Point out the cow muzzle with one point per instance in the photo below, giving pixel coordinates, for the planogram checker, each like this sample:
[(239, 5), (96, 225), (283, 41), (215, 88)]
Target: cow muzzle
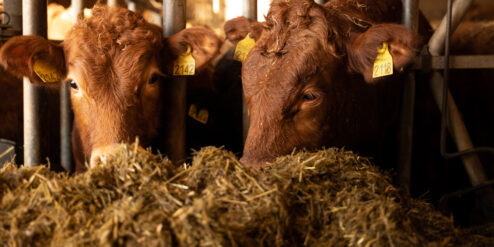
[(102, 154)]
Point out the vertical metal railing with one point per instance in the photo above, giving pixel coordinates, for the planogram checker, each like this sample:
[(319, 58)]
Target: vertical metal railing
[(411, 21), (456, 126), (174, 22), (249, 8), (33, 23), (65, 109)]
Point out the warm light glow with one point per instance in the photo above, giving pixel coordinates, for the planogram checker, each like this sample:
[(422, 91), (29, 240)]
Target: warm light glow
[(87, 13), (233, 9), (216, 6), (262, 9)]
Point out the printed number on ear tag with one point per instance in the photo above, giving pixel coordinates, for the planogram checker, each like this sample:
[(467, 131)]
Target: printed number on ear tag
[(185, 64), (243, 48), (201, 116), (46, 71), (383, 65)]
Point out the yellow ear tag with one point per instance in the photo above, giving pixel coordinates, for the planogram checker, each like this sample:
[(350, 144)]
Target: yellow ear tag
[(201, 116), (46, 71), (383, 65), (185, 64), (243, 48)]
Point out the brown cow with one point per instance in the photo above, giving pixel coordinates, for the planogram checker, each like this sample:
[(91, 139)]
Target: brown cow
[(114, 62), (308, 80)]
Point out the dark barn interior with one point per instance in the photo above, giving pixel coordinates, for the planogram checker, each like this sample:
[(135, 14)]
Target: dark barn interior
[(247, 123)]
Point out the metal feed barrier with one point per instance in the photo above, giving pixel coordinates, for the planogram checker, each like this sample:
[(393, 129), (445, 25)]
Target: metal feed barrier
[(437, 44), (451, 117)]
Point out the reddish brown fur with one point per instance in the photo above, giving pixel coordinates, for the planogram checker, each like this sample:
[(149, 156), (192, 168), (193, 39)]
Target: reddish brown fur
[(236, 29), (112, 57), (308, 50), (474, 38)]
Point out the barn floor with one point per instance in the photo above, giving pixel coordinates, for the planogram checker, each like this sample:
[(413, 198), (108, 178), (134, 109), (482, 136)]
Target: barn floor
[(328, 198)]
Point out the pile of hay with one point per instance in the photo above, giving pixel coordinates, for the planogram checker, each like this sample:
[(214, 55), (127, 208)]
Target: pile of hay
[(328, 198)]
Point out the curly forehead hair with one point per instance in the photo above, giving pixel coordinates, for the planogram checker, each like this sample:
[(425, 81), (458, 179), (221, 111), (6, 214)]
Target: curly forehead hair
[(110, 31), (331, 23)]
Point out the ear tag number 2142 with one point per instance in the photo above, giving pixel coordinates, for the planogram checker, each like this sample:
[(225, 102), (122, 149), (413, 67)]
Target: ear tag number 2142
[(185, 64), (46, 71), (383, 65)]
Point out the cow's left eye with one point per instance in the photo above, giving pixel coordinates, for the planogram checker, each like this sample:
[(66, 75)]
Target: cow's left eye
[(154, 79)]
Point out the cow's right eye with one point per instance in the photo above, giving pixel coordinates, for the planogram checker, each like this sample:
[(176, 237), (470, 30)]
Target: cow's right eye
[(154, 79), (310, 96), (73, 84)]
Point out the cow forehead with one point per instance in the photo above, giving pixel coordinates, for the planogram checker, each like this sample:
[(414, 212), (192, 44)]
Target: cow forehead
[(112, 40), (303, 56)]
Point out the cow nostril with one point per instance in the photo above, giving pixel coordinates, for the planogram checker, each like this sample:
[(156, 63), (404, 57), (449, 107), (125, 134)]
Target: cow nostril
[(97, 159), (103, 154)]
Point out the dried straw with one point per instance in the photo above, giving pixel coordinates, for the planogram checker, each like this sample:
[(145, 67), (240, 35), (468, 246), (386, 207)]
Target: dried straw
[(327, 198)]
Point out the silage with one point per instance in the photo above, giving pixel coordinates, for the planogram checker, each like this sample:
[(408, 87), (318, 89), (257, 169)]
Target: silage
[(327, 198)]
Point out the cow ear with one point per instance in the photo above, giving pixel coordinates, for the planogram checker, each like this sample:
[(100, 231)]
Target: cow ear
[(40, 60), (236, 29), (203, 42), (362, 51)]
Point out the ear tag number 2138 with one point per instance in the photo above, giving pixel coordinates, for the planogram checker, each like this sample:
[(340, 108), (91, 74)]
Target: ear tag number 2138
[(185, 64), (383, 65)]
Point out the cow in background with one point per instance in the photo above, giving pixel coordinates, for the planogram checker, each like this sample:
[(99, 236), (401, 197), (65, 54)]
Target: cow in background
[(114, 62)]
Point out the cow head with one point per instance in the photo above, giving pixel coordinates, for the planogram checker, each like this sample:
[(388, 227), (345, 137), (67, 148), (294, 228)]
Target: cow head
[(308, 80), (114, 62)]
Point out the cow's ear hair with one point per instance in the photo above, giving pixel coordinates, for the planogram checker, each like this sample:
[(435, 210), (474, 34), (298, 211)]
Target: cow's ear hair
[(203, 42), (363, 49), (19, 55), (236, 29)]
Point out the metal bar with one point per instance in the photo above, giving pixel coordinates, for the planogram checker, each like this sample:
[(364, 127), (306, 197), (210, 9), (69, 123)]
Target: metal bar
[(410, 17), (321, 1), (65, 128), (65, 109), (459, 132), (77, 7), (173, 22), (411, 21), (33, 23), (455, 122), (436, 43), (458, 62), (14, 9), (249, 11)]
